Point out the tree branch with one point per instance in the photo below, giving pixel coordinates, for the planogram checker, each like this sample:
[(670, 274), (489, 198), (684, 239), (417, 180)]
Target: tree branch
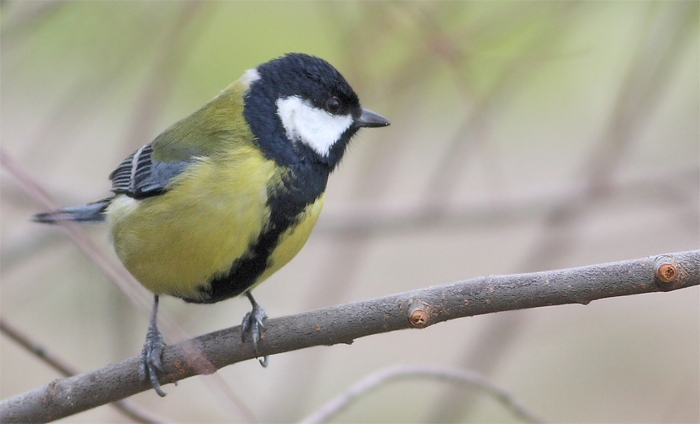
[(344, 323), (373, 381)]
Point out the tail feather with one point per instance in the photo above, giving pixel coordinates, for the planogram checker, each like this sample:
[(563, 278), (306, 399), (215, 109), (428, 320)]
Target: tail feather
[(92, 212)]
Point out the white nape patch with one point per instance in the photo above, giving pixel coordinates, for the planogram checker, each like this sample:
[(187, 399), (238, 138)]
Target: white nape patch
[(312, 126), (250, 76)]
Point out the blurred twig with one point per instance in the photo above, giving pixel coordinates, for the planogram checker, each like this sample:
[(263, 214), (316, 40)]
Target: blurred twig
[(124, 281), (26, 21), (375, 380), (469, 134), (36, 349), (170, 57), (345, 323), (136, 413), (378, 220)]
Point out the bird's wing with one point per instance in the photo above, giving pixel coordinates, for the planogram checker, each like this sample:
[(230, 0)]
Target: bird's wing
[(140, 175), (149, 171)]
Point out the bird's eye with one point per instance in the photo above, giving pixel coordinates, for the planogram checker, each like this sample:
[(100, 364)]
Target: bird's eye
[(333, 105)]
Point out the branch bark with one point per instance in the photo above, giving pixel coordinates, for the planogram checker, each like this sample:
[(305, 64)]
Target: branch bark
[(344, 323)]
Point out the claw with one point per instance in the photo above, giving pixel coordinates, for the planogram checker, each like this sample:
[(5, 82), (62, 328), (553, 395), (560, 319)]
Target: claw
[(152, 352), (253, 324)]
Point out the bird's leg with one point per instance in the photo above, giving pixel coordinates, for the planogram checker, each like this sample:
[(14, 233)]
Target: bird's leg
[(253, 324), (152, 351)]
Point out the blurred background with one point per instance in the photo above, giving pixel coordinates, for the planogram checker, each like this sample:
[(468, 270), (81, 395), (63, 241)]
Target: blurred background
[(525, 136)]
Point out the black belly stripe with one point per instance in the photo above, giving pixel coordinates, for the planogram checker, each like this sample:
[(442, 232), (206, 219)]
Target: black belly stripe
[(245, 270), (286, 204)]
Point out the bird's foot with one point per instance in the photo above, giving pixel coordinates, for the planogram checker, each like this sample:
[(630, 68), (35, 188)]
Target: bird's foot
[(151, 358), (253, 325)]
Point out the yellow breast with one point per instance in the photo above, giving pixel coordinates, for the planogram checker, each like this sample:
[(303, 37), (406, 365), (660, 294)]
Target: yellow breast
[(177, 242)]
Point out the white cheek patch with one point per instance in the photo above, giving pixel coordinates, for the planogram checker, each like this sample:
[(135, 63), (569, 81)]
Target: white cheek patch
[(312, 126)]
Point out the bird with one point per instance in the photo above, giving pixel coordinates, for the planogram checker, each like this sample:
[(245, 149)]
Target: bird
[(225, 197)]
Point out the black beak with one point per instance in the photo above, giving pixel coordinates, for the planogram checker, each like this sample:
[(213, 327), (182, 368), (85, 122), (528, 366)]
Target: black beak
[(369, 119)]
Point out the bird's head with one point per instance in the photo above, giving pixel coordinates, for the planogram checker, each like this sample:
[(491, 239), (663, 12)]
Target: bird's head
[(301, 109)]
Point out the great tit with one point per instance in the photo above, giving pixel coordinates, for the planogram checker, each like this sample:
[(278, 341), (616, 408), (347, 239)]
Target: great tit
[(224, 198)]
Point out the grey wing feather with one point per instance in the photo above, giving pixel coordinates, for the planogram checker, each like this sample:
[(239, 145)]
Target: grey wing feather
[(140, 176)]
